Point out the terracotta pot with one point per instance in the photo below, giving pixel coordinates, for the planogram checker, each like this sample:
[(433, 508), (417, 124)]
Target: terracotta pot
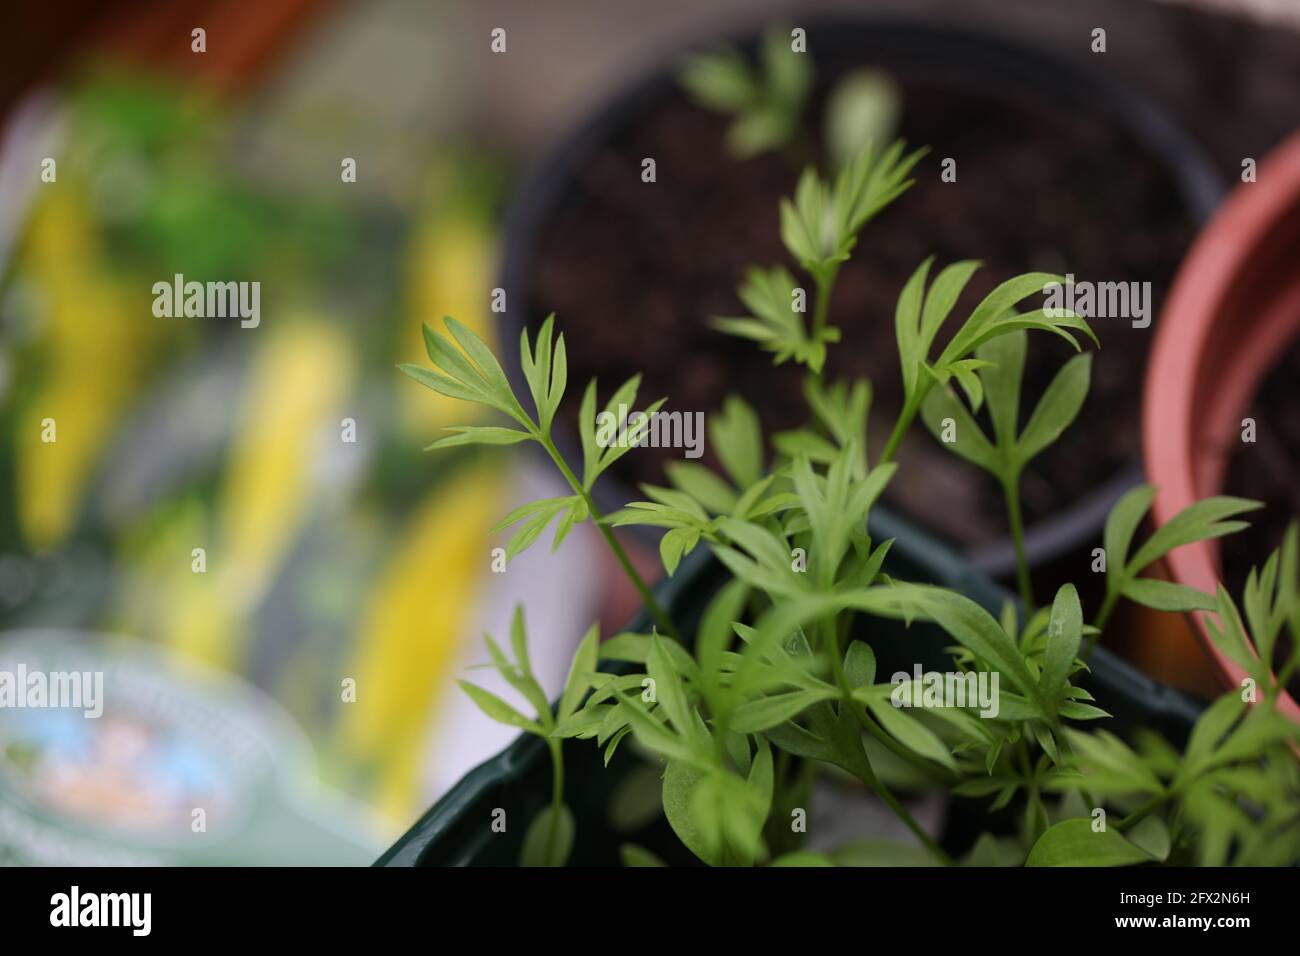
[(1233, 310)]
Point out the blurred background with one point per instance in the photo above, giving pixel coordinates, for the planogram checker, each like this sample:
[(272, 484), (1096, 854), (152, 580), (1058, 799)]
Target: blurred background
[(333, 550)]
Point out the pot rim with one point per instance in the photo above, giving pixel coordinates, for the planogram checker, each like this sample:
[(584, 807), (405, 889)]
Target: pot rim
[(1198, 304)]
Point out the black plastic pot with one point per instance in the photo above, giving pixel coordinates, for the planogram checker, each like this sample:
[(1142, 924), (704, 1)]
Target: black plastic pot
[(991, 63), (457, 831)]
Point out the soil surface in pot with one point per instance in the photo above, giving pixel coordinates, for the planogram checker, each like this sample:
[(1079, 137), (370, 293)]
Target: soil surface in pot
[(634, 270)]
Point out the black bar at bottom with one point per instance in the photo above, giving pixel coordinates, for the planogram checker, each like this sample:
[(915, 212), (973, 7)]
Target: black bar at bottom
[(334, 906)]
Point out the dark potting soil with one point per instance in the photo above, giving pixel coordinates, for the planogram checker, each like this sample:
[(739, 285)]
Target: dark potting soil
[(634, 271), (1265, 470)]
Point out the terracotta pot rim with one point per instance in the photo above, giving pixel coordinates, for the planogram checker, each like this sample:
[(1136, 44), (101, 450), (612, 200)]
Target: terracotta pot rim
[(1197, 305)]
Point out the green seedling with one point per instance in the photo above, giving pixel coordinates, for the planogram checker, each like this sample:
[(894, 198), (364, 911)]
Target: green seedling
[(778, 684)]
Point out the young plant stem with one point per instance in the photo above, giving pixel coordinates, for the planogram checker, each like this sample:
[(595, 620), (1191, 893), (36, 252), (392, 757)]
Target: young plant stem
[(871, 780), (1031, 783), (901, 425), (1011, 491), (1284, 675), (868, 774), (825, 287), (1107, 606), (1141, 813), (657, 612)]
